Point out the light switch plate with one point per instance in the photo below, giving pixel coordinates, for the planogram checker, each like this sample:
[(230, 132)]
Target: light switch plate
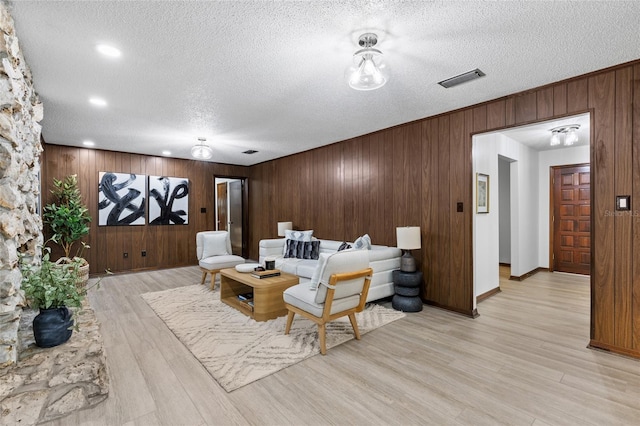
[(623, 202)]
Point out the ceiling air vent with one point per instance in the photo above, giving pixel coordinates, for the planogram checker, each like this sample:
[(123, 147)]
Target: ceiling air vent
[(462, 78), (249, 151)]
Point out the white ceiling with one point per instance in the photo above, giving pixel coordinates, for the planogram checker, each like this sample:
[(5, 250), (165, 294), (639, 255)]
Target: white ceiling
[(269, 75)]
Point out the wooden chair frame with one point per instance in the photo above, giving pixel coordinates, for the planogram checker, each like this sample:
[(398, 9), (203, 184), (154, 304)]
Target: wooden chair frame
[(213, 273), (334, 280)]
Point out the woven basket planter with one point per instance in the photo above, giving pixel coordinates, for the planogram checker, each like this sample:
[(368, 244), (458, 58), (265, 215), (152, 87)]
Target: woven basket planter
[(82, 274)]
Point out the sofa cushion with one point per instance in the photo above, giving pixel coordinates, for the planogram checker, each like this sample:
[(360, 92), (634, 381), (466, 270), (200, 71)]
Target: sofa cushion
[(363, 243), (344, 246), (214, 245), (302, 249)]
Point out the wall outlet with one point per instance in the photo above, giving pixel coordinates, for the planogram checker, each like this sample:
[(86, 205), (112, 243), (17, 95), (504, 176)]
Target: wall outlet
[(144, 253), (125, 255)]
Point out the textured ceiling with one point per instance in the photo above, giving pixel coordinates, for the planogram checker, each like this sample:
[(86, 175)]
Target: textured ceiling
[(270, 76)]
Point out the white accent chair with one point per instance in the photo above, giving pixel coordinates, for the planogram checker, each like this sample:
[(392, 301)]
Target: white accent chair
[(213, 249), (339, 288)]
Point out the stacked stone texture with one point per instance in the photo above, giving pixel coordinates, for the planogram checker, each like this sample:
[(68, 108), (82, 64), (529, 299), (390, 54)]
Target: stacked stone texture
[(20, 148), (47, 384)]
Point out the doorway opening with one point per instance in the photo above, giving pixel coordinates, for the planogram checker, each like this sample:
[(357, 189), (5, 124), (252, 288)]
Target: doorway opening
[(231, 212), (515, 230)]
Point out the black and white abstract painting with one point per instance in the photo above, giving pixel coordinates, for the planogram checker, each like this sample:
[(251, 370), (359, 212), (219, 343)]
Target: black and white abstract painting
[(121, 199), (168, 200)]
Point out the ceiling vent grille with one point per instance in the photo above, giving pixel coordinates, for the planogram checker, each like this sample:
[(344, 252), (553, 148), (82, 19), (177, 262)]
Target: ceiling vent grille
[(249, 151), (462, 78)]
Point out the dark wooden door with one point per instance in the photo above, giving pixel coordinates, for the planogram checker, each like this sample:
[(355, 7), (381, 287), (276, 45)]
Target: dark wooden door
[(222, 206), (572, 219)]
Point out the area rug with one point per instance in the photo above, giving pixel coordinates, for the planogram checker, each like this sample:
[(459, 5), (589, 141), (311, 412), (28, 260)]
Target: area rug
[(237, 350)]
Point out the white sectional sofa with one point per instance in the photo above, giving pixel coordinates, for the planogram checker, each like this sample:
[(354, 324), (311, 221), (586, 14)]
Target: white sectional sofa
[(382, 259)]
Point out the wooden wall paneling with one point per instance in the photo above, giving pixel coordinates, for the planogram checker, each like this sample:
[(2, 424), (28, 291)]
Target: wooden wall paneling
[(443, 278), (387, 160), (544, 98), (365, 185), (352, 151), (478, 119), (496, 117), (635, 205), (321, 200), (510, 111), (429, 224), (623, 224), (113, 252), (335, 229), (470, 126), (601, 95), (457, 179), (560, 99), (181, 247), (372, 188), (124, 233), (577, 95), (526, 105)]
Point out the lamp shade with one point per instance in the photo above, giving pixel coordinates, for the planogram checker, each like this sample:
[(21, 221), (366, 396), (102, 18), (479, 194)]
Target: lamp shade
[(408, 237), (284, 226)]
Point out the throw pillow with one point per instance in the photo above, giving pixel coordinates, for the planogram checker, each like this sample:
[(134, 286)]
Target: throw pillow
[(315, 279), (214, 245), (344, 246), (290, 234), (291, 248), (311, 249), (363, 243)]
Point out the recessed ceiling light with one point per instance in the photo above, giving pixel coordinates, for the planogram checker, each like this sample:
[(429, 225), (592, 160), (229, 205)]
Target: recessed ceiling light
[(88, 143), (107, 50), (98, 102), (166, 152)]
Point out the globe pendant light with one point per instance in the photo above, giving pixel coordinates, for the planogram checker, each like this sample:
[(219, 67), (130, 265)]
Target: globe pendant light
[(202, 151), (368, 71)]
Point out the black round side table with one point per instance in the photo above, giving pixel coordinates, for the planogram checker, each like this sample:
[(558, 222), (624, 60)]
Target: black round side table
[(407, 288)]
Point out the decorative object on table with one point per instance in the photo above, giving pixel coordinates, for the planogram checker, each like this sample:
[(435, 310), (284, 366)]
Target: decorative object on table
[(168, 200), (482, 193), (407, 289), (283, 227), (226, 341), (269, 273), (269, 263), (68, 219), (121, 199), (53, 289), (246, 268), (408, 238)]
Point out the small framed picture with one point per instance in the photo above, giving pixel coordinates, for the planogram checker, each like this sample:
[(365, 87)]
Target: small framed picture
[(482, 193)]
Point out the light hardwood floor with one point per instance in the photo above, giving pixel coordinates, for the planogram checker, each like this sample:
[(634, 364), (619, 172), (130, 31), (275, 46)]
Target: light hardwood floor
[(524, 361)]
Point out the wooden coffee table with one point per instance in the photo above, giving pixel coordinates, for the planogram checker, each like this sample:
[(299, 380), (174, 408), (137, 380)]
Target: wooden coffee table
[(267, 293)]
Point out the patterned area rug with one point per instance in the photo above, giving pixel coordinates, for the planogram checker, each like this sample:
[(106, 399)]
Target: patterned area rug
[(237, 350)]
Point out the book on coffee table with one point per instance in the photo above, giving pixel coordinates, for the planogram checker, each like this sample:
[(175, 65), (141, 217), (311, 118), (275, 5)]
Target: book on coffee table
[(266, 274)]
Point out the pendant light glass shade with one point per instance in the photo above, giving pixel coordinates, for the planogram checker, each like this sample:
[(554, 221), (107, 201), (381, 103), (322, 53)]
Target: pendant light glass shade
[(555, 138), (201, 151), (368, 71), (571, 137), (568, 133)]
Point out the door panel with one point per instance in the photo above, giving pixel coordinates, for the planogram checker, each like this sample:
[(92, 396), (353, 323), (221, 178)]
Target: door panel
[(572, 219), (235, 216), (222, 206)]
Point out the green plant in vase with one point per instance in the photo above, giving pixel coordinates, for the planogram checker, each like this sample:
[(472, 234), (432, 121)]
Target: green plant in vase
[(69, 219)]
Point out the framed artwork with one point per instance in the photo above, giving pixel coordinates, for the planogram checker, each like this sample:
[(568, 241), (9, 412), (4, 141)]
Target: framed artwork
[(482, 193), (168, 200), (121, 199)]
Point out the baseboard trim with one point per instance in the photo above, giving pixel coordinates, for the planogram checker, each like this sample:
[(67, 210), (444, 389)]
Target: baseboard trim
[(488, 294), (473, 313), (593, 344), (528, 274)]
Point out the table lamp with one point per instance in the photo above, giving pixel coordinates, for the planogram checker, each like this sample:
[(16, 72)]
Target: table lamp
[(408, 239), (284, 226)]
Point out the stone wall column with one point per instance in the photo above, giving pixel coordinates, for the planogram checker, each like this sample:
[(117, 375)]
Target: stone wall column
[(20, 149)]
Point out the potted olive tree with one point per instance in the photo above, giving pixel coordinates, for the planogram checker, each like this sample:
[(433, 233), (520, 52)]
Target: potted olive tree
[(68, 218)]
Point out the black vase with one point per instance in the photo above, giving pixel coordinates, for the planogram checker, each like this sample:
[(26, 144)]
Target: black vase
[(52, 327)]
